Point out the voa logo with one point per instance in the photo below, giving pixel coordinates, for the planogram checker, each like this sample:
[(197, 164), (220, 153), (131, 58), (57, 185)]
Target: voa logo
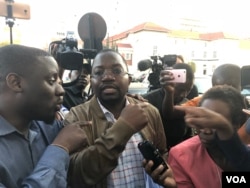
[(236, 179)]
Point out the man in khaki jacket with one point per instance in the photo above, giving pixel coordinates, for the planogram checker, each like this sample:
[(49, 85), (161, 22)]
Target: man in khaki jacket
[(118, 124)]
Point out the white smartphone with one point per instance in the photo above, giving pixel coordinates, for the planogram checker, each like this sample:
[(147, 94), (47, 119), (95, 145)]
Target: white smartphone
[(179, 75)]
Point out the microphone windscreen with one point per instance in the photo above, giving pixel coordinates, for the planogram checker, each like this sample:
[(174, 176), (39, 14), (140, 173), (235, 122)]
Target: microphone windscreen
[(144, 64)]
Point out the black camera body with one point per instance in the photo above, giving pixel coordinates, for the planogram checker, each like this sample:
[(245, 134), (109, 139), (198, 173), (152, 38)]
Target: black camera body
[(149, 152), (67, 54), (92, 29), (158, 64)]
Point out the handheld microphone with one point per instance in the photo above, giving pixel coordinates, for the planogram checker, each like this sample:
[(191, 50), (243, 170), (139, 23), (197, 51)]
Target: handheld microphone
[(144, 64)]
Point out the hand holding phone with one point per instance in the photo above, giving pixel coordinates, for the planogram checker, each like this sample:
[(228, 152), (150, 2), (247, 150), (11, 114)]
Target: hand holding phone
[(149, 152), (179, 75)]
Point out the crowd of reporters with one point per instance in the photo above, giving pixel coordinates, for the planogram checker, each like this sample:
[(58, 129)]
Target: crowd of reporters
[(97, 133)]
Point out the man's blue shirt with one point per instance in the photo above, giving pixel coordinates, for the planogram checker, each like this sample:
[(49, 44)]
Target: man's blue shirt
[(32, 162)]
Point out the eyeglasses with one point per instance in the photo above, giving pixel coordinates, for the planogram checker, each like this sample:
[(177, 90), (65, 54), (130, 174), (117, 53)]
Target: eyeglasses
[(116, 72)]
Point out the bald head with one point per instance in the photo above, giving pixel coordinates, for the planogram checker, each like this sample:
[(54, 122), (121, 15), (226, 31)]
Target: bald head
[(227, 74)]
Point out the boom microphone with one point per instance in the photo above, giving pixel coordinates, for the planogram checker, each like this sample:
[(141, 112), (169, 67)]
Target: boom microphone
[(144, 64)]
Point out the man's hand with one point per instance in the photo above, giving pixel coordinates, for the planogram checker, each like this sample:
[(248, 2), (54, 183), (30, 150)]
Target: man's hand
[(72, 137), (135, 115), (165, 77), (163, 178), (200, 118)]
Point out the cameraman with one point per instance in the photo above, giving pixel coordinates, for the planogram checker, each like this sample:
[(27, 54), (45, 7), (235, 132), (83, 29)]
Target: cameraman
[(75, 91), (168, 95), (157, 67)]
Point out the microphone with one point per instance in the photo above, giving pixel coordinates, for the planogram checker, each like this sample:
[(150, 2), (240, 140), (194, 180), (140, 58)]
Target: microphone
[(144, 64)]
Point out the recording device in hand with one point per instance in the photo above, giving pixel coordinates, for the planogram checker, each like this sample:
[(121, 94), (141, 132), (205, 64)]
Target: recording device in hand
[(92, 30), (178, 74), (156, 66), (150, 152)]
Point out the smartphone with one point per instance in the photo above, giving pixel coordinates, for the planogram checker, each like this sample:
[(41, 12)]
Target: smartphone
[(180, 75), (150, 152)]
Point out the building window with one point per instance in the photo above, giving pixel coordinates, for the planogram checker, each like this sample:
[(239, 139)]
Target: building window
[(154, 50), (127, 56), (204, 54), (193, 54), (214, 54)]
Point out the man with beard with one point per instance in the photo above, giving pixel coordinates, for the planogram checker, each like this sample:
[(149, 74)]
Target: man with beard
[(34, 146), (119, 123)]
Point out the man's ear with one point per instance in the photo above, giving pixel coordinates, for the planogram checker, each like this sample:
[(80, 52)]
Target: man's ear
[(13, 81)]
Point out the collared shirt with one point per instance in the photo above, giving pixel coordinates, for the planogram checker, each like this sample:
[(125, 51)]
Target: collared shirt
[(193, 166), (129, 171), (31, 162)]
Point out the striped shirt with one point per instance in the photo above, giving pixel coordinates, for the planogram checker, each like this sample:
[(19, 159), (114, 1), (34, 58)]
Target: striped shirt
[(129, 172)]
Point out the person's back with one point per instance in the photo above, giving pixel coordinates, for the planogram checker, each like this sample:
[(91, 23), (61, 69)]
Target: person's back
[(202, 150), (33, 151), (227, 74)]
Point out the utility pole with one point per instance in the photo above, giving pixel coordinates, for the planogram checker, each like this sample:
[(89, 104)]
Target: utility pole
[(9, 18)]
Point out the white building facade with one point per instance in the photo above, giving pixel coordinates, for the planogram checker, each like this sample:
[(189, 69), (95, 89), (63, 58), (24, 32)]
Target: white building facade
[(206, 51)]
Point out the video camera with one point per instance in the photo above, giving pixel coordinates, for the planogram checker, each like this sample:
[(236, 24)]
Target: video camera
[(67, 54), (92, 30), (156, 66)]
